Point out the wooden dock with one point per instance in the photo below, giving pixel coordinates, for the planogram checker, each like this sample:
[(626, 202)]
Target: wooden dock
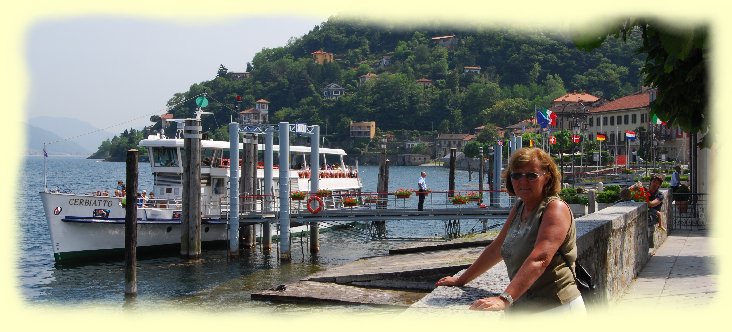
[(399, 279)]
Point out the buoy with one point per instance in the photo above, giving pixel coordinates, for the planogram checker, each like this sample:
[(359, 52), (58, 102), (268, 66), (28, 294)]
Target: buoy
[(319, 202)]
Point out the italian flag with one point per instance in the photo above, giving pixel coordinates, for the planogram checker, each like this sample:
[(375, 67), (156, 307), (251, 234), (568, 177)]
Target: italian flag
[(656, 120), (551, 116)]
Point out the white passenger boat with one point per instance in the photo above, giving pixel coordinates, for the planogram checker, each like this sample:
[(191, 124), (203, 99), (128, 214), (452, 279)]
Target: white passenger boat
[(87, 226)]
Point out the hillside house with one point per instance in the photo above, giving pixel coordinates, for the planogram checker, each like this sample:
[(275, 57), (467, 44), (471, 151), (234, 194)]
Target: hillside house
[(445, 142), (333, 91), (259, 114), (445, 41), (366, 129), (322, 57)]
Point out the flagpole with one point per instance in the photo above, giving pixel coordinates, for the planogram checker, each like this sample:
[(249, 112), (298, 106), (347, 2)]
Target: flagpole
[(615, 152)]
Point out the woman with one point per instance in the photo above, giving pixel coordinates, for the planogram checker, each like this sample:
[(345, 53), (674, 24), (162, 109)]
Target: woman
[(538, 225)]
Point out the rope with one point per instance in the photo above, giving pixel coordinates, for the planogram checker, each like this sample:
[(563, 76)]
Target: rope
[(70, 138)]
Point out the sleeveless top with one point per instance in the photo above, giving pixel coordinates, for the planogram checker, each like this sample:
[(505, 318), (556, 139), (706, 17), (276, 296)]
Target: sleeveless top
[(556, 286)]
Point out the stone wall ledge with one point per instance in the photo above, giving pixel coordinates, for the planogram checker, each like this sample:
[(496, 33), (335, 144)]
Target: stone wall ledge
[(613, 245)]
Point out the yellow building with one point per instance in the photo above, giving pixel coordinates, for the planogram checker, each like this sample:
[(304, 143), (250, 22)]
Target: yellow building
[(322, 57), (365, 129)]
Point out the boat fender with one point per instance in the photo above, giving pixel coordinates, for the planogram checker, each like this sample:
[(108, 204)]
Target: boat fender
[(319, 204)]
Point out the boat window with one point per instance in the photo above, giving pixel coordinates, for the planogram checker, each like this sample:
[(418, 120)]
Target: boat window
[(165, 157), (219, 186)]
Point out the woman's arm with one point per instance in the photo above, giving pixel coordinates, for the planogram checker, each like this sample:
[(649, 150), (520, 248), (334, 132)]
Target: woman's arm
[(552, 232), (489, 257)]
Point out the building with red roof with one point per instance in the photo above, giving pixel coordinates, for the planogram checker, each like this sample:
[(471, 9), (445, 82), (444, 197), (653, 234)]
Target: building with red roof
[(631, 114)]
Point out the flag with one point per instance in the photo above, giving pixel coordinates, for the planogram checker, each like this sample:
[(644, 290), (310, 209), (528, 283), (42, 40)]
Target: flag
[(542, 119), (552, 116), (630, 135), (552, 140), (531, 143), (575, 138), (656, 120), (44, 152), (546, 118), (600, 137)]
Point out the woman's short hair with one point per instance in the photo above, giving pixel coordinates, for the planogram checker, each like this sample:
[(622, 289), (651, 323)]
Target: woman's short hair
[(524, 156), (658, 177)]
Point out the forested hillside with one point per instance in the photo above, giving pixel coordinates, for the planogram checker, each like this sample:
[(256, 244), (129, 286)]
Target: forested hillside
[(520, 70)]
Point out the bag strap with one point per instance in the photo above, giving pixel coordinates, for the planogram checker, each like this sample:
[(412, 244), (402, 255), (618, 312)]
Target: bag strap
[(559, 251)]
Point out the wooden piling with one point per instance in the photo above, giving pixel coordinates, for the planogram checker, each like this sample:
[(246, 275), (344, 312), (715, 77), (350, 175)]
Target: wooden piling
[(451, 183), (382, 187), (131, 225), (190, 244), (248, 180)]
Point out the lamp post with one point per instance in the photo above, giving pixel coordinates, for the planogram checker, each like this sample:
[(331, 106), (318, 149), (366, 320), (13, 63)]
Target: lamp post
[(578, 125)]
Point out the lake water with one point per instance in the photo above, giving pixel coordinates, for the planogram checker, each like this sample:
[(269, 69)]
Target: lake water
[(212, 283)]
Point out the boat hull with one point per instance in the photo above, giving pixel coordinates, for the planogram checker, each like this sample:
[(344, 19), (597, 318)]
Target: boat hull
[(92, 227)]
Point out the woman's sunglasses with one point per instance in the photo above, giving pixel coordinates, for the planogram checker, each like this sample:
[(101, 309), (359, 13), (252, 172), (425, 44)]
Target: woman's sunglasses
[(531, 176)]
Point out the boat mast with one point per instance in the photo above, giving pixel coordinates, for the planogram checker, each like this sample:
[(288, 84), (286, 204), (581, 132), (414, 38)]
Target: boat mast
[(45, 155)]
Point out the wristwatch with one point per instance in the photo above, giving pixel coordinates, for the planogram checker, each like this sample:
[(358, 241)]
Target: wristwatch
[(507, 297)]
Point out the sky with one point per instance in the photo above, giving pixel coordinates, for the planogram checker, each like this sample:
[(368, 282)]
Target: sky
[(117, 71)]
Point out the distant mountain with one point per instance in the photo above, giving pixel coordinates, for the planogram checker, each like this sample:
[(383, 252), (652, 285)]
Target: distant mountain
[(81, 133), (37, 136)]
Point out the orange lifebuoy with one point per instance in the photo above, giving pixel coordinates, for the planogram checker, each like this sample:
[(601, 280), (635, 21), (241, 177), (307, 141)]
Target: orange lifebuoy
[(310, 205)]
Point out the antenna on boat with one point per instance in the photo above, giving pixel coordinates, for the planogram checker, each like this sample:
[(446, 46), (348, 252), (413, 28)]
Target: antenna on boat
[(45, 156)]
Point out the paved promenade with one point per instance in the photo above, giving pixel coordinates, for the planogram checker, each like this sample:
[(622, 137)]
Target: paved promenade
[(682, 272)]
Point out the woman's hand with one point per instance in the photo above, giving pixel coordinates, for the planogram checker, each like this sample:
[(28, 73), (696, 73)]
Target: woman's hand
[(489, 304), (448, 281)]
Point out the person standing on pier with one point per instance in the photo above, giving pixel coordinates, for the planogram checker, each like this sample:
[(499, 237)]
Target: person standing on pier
[(538, 226), (421, 190)]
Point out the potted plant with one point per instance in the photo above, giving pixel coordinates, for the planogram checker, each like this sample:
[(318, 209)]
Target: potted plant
[(323, 193), (350, 201), (459, 199), (606, 198), (371, 199), (639, 194), (403, 193), (474, 196), (577, 202), (298, 195), (681, 197)]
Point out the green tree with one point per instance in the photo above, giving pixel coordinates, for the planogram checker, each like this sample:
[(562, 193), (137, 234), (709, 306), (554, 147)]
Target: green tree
[(506, 112), (489, 134), (222, 71), (472, 149)]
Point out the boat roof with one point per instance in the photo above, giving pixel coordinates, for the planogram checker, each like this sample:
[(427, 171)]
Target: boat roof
[(154, 141)]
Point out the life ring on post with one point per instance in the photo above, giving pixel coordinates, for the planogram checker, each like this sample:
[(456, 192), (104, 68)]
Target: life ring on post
[(318, 201)]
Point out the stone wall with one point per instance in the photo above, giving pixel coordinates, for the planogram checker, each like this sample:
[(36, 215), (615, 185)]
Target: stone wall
[(613, 245)]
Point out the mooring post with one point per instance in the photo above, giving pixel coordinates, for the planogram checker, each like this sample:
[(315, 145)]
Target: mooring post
[(284, 181), (248, 179), (314, 184), (497, 165), (234, 189), (382, 187), (481, 169), (131, 225), (451, 180), (268, 190), (190, 246)]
